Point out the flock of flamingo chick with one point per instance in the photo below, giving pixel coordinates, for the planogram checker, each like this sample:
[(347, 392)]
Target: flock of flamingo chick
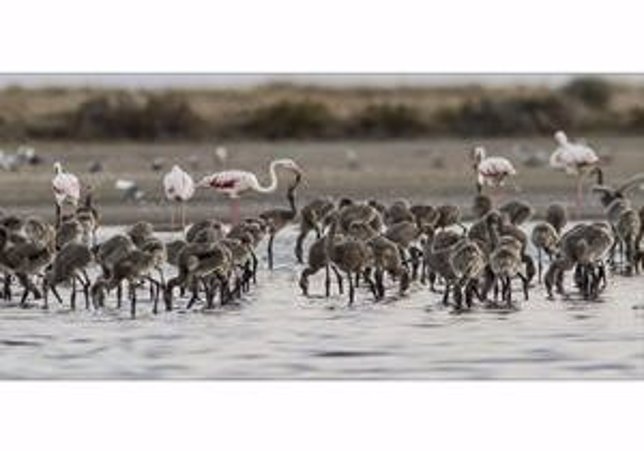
[(360, 242)]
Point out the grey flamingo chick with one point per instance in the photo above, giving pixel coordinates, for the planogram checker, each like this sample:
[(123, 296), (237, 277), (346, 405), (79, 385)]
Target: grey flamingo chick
[(437, 259), (108, 253), (317, 258), (518, 211), (350, 256), (585, 246), (196, 262), (404, 234), (350, 212), (468, 263), (545, 234), (544, 238), (69, 264), (557, 217), (88, 217), (24, 260), (424, 215), (481, 205), (398, 212), (69, 231), (311, 217), (385, 257), (278, 218), (207, 224), (505, 264), (140, 232), (243, 259), (133, 267), (448, 215)]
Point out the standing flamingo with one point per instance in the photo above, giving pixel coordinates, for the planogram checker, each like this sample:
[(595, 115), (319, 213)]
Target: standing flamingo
[(66, 189), (576, 159), (490, 171), (179, 187), (234, 182)]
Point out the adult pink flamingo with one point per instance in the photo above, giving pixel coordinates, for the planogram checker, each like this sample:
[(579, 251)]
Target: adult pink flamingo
[(235, 182), (179, 188), (66, 189), (490, 171), (575, 159)]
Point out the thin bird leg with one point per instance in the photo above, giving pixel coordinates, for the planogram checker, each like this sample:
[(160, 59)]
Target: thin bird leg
[(24, 282), (446, 293), (327, 281), (85, 289), (254, 266), (372, 286), (172, 212), (132, 299), (183, 217), (156, 285), (161, 276), (55, 291), (45, 292), (234, 210), (73, 296), (540, 266), (338, 277), (526, 283), (57, 215), (304, 231), (580, 200), (270, 250), (7, 287), (351, 289)]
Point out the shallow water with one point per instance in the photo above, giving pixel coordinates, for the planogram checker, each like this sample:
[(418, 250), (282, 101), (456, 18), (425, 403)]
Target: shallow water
[(276, 333)]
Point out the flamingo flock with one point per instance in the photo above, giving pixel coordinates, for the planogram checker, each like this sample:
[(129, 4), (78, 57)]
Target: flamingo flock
[(386, 250)]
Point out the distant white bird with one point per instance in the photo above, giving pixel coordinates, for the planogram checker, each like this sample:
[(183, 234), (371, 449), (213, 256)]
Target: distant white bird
[(221, 155), (131, 190), (575, 159), (66, 189), (234, 182), (8, 162), (178, 187), (490, 171), (353, 162)]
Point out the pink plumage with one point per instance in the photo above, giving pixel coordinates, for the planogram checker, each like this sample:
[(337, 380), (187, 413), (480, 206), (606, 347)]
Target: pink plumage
[(178, 185), (66, 186), (572, 157), (492, 171), (235, 182)]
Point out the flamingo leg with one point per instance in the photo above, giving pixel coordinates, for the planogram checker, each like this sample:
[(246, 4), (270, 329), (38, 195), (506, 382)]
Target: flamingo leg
[(580, 197), (183, 217), (172, 217), (234, 210)]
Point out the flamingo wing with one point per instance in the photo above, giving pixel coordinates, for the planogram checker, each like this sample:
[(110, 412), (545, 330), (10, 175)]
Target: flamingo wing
[(66, 188), (230, 182)]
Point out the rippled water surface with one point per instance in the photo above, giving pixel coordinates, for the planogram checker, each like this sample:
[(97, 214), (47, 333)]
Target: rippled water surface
[(274, 332)]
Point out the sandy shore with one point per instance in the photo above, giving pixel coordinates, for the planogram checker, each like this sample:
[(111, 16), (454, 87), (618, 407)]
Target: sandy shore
[(432, 171)]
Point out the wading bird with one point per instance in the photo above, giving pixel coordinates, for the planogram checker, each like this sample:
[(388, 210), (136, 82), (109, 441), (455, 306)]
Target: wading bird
[(178, 187), (235, 182), (575, 159), (66, 189), (490, 171)]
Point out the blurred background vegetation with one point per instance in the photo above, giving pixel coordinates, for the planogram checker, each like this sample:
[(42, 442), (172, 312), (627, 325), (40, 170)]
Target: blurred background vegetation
[(288, 111)]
